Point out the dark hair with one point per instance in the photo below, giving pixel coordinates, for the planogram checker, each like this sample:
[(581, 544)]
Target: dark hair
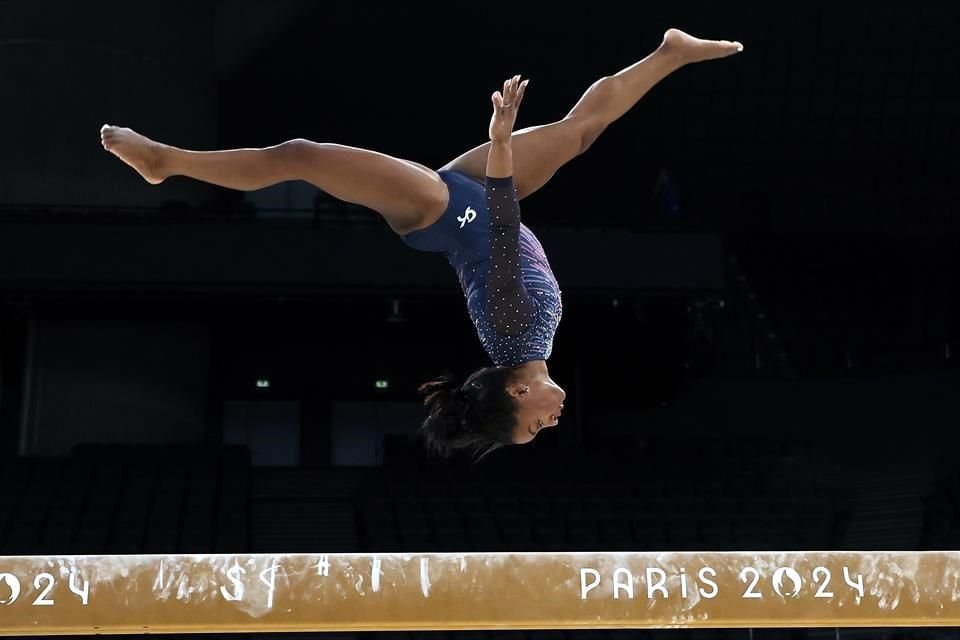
[(478, 416)]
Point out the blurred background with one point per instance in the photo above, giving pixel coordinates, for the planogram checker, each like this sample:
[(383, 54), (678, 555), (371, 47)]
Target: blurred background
[(771, 364)]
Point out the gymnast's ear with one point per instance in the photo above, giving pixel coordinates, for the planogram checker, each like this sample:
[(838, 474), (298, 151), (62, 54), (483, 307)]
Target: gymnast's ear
[(518, 390)]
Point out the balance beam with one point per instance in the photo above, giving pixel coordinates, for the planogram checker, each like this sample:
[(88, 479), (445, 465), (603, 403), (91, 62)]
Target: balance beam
[(396, 591)]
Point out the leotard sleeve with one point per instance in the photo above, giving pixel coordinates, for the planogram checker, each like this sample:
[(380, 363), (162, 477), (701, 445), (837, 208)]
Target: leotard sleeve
[(510, 307)]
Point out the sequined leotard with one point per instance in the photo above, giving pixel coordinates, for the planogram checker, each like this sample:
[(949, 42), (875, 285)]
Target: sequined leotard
[(511, 292)]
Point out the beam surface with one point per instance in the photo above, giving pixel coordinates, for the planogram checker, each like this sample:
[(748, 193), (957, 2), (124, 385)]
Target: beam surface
[(315, 592)]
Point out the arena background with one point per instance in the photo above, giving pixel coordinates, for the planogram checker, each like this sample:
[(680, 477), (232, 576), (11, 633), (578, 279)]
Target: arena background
[(759, 354)]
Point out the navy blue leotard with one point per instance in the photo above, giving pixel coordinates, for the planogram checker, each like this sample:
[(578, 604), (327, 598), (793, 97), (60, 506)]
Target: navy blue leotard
[(512, 296)]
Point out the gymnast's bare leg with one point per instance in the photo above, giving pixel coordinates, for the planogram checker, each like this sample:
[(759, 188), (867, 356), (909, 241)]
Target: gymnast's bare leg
[(403, 192), (539, 151)]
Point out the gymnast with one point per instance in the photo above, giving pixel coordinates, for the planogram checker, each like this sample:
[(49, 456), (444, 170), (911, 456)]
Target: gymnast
[(468, 210)]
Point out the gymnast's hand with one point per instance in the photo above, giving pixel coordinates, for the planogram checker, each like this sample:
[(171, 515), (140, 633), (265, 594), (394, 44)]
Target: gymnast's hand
[(505, 107)]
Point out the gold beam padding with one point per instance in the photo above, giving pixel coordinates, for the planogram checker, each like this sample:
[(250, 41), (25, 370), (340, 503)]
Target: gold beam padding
[(230, 593)]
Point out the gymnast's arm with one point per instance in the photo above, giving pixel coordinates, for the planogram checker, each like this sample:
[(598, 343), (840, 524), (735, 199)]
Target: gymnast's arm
[(509, 306)]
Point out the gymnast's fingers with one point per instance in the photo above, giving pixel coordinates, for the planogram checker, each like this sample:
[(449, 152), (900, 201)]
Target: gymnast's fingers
[(522, 90), (508, 93)]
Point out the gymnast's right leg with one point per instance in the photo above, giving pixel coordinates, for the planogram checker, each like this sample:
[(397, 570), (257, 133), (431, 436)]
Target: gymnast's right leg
[(404, 193)]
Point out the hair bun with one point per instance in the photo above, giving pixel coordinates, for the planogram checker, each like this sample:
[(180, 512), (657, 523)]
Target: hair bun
[(443, 383), (477, 416)]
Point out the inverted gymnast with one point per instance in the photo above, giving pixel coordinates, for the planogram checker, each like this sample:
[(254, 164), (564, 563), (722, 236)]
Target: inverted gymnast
[(467, 210)]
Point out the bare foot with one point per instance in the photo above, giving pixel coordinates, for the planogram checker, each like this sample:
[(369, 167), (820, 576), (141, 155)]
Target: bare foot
[(140, 152), (689, 49)]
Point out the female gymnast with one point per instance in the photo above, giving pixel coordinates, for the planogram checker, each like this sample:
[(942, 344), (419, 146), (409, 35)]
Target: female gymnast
[(467, 210)]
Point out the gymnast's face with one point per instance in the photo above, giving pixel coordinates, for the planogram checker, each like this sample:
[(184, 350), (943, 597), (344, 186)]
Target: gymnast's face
[(540, 403)]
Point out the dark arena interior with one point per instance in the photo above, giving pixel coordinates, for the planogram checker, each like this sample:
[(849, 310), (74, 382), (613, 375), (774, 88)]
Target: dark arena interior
[(758, 348)]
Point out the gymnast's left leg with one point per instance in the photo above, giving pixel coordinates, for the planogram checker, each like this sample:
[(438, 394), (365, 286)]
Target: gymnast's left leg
[(539, 151)]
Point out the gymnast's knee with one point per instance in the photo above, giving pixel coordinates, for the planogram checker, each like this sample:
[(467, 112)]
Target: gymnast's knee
[(293, 155), (298, 147)]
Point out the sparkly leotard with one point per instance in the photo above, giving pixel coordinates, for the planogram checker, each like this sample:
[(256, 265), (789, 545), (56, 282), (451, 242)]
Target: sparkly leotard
[(511, 292)]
